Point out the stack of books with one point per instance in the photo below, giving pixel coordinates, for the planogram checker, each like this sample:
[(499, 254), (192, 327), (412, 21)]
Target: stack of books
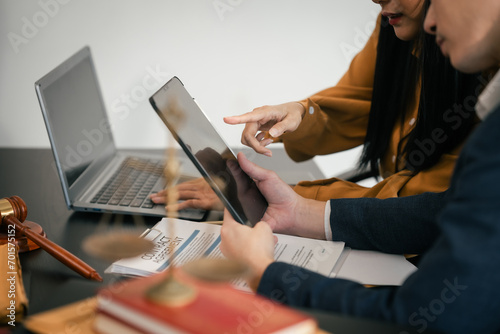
[(216, 308)]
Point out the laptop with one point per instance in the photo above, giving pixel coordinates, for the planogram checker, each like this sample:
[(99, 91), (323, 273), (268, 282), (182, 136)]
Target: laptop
[(209, 153), (94, 174)]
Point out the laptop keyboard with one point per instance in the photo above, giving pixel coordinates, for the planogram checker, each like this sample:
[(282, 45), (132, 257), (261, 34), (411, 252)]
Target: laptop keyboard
[(131, 184)]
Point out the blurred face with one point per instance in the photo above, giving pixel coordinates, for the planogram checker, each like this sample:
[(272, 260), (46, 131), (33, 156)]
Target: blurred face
[(467, 31), (404, 15)]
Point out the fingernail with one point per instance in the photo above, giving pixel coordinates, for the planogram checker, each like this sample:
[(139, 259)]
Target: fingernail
[(266, 142)]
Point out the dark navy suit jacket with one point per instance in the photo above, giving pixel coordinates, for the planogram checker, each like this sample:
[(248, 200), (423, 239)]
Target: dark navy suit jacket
[(456, 288)]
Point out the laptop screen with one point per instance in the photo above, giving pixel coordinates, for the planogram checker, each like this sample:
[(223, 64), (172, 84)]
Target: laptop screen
[(75, 116), (208, 151)]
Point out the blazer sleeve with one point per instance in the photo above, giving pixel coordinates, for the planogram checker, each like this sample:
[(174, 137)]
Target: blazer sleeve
[(455, 289), (336, 118), (395, 225)]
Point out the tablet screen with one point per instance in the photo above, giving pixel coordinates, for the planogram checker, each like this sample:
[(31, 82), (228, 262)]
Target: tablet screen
[(209, 153)]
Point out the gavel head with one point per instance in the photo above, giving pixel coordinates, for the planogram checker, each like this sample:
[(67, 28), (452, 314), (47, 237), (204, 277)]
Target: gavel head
[(14, 206)]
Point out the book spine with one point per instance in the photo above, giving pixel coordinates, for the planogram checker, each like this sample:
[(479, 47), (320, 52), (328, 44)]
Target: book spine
[(139, 321)]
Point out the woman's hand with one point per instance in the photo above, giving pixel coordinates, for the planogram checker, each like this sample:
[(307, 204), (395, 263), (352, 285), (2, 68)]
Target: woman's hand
[(253, 247), (196, 194), (268, 121)]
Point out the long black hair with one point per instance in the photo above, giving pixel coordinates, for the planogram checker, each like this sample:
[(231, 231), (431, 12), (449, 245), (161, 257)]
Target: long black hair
[(445, 105)]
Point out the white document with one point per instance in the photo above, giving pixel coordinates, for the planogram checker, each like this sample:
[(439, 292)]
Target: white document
[(375, 268), (189, 240)]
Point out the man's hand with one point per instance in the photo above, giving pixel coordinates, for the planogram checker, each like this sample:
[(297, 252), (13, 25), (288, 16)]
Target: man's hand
[(287, 212), (253, 247)]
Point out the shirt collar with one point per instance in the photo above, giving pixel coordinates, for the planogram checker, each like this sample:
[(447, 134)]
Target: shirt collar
[(489, 98)]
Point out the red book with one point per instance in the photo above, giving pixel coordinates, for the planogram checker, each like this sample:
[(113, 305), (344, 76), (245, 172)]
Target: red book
[(217, 308)]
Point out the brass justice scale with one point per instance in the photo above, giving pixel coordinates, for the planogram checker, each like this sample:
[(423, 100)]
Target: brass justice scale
[(170, 291), (122, 244)]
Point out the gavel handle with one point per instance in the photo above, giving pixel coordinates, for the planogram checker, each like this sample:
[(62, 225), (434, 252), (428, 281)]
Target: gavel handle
[(55, 250)]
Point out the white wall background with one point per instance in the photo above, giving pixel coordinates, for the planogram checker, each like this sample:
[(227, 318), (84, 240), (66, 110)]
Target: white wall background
[(232, 55)]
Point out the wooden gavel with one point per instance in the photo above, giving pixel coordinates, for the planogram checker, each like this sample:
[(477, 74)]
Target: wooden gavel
[(13, 211)]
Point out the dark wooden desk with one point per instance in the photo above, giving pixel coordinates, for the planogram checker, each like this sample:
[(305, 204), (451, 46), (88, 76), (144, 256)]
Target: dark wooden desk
[(29, 173)]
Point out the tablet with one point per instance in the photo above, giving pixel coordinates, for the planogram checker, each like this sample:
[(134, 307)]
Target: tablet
[(209, 153)]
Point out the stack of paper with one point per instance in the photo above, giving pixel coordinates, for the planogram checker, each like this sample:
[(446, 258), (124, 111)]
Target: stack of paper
[(181, 241)]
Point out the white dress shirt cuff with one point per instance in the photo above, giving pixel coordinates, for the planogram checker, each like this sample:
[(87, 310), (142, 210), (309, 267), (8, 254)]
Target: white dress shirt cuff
[(328, 228)]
